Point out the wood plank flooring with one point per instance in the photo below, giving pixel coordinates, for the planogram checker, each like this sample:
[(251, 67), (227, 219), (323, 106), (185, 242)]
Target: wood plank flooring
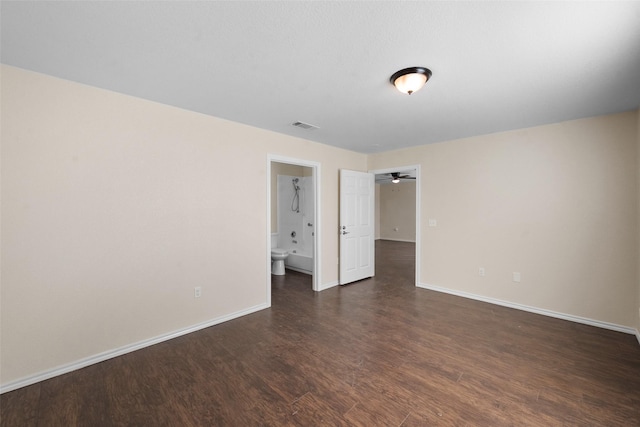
[(378, 352)]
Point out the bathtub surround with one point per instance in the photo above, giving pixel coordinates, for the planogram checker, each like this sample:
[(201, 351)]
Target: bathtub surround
[(296, 221), (113, 211), (278, 168)]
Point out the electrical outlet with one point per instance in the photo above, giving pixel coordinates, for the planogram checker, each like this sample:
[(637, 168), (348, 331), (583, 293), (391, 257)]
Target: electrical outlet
[(433, 223), (516, 277), (197, 292), (481, 272)]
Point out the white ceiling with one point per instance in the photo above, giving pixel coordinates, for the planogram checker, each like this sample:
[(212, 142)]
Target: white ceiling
[(496, 65)]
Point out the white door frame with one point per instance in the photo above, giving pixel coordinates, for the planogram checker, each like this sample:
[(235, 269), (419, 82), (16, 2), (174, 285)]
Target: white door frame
[(418, 239), (317, 253)]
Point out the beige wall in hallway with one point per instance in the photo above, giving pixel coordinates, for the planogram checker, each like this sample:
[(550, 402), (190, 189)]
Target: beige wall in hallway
[(113, 211), (398, 211), (556, 203)]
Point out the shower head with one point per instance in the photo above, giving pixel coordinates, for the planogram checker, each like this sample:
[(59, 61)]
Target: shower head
[(295, 180)]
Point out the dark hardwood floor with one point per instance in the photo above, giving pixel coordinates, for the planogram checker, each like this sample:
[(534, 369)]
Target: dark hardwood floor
[(379, 352)]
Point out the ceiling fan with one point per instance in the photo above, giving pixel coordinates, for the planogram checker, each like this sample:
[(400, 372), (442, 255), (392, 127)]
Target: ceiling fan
[(393, 177)]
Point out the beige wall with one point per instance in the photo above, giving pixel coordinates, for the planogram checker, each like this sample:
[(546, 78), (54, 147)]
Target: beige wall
[(398, 211), (557, 203), (113, 211), (638, 172)]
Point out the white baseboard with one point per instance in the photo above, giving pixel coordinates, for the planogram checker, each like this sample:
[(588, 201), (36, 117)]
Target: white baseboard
[(299, 270), (328, 285), (82, 363), (398, 240), (563, 316), (101, 357)]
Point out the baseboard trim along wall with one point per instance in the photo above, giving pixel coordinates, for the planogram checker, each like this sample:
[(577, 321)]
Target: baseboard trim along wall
[(328, 285), (82, 363), (397, 240), (563, 316)]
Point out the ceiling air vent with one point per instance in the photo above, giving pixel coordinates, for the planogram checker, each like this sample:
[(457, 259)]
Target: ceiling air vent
[(305, 126)]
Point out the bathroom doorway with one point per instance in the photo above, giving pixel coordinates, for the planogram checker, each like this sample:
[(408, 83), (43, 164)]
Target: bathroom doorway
[(398, 208), (293, 215)]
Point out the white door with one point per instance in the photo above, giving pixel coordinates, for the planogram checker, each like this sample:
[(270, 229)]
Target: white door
[(357, 228)]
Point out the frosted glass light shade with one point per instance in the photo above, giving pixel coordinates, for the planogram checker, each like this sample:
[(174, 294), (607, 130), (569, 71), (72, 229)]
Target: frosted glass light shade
[(411, 79), (410, 83)]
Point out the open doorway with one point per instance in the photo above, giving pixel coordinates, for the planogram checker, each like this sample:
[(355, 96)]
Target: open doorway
[(398, 209), (293, 221)]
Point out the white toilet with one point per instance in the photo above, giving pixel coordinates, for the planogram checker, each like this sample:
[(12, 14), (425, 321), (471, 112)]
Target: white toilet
[(277, 261)]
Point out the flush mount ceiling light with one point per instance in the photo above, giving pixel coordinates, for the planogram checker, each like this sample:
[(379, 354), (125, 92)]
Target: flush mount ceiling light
[(410, 79)]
